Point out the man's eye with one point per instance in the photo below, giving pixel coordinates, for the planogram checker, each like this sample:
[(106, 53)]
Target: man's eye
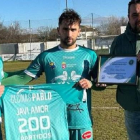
[(73, 30), (65, 29), (135, 15)]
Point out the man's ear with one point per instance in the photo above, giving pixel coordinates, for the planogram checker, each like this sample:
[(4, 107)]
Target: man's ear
[(79, 31), (128, 16)]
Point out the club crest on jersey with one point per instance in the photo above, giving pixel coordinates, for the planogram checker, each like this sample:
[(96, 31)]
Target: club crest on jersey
[(86, 135), (63, 65), (52, 65)]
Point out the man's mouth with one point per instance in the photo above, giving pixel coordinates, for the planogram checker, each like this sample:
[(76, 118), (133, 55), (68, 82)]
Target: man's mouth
[(69, 39), (138, 23)]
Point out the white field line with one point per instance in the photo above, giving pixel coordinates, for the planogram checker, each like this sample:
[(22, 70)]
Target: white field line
[(106, 107)]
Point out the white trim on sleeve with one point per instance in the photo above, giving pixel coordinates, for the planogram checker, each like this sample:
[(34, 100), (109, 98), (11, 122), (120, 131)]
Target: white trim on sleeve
[(0, 119), (30, 74)]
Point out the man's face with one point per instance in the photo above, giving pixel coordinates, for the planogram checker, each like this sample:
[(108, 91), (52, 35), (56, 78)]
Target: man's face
[(134, 17), (68, 34)]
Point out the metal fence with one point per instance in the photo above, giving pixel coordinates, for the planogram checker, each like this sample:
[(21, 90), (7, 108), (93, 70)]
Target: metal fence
[(30, 25)]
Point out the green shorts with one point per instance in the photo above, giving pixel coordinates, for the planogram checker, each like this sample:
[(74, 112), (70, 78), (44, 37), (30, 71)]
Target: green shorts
[(81, 134)]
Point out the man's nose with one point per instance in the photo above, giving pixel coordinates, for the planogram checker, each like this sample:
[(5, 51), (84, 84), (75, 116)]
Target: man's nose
[(69, 32), (138, 16)]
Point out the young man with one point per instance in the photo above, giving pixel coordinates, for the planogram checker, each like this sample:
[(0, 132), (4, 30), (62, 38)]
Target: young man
[(128, 44), (67, 63)]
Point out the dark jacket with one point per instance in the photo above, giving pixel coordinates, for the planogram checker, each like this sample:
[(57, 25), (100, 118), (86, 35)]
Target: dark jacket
[(128, 96)]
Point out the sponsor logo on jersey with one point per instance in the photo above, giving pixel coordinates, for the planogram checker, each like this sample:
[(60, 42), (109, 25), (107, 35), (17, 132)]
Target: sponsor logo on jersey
[(29, 95), (86, 135), (52, 65), (63, 65), (68, 57)]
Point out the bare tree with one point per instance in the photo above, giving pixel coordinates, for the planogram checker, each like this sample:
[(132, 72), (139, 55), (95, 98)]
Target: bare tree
[(112, 26), (14, 32), (53, 35), (3, 33), (11, 34), (44, 33)]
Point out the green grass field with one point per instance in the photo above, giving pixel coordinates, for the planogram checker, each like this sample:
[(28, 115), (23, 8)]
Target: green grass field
[(108, 116)]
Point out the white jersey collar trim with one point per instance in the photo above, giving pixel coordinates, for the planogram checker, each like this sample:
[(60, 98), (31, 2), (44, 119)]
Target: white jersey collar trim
[(69, 50)]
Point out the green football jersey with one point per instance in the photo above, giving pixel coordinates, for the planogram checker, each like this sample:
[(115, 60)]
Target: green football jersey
[(61, 66), (65, 66), (38, 112)]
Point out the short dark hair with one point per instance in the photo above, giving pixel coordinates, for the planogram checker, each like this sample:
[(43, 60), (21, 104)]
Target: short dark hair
[(132, 2), (70, 16)]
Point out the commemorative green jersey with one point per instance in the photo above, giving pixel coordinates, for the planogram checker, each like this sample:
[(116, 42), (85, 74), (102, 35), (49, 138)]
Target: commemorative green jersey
[(38, 112), (65, 66)]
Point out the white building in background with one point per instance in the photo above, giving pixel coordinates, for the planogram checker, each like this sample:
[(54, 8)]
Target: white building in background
[(51, 44), (29, 51), (88, 35), (104, 40), (31, 47), (123, 28), (21, 51)]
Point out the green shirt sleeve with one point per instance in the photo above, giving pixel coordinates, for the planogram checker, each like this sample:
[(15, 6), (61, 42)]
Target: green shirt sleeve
[(8, 74), (19, 79)]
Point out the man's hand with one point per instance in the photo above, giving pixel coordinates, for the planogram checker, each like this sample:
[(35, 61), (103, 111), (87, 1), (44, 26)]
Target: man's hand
[(1, 90), (138, 56), (84, 83)]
